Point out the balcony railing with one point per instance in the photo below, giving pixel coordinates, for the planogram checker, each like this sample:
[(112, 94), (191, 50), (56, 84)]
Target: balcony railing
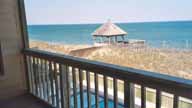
[(68, 82)]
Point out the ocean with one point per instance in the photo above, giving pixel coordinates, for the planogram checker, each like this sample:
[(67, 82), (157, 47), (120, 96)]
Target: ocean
[(172, 34)]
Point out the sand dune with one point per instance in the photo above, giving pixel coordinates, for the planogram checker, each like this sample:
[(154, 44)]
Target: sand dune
[(54, 47), (171, 63), (165, 61)]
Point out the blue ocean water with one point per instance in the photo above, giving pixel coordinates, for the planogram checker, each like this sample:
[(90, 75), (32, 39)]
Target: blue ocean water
[(175, 34)]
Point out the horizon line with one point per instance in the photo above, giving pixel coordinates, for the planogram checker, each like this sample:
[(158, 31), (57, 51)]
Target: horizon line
[(113, 22)]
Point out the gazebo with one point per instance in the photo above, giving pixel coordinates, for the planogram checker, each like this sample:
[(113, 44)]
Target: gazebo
[(108, 34)]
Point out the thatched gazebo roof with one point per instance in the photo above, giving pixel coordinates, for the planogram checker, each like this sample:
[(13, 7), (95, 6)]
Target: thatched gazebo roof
[(109, 29)]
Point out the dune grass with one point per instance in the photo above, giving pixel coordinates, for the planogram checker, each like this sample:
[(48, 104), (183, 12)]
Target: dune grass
[(166, 61), (171, 62)]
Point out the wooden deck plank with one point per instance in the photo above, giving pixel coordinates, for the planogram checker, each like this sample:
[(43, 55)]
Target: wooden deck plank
[(23, 101)]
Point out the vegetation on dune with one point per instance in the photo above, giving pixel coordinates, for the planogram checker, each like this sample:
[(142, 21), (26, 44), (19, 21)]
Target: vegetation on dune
[(166, 61), (176, 63)]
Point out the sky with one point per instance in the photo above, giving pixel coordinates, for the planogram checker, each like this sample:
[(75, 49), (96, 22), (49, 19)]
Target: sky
[(99, 11)]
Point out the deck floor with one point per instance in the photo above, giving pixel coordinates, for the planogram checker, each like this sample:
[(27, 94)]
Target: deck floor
[(23, 101)]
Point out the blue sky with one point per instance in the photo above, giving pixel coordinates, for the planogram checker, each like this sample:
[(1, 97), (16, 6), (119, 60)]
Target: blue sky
[(99, 11)]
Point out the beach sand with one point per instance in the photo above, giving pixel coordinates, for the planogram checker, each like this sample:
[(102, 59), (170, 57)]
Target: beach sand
[(165, 61)]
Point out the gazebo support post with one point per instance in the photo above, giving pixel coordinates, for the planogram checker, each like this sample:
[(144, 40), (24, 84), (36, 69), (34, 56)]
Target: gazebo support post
[(109, 40), (123, 38), (116, 39), (102, 40)]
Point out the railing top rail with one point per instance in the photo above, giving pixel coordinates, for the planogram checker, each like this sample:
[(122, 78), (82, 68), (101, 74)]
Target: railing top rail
[(175, 85)]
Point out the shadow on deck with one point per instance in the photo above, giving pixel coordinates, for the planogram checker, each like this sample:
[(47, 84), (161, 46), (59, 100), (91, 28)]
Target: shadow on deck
[(23, 101)]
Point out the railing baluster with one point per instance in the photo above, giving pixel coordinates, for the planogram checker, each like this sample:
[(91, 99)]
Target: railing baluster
[(115, 93), (35, 75), (30, 73), (47, 80), (81, 88), (96, 90), (65, 100), (88, 89), (105, 92), (143, 97), (56, 74), (129, 98), (51, 82), (62, 85), (176, 101), (74, 87), (59, 83), (68, 87), (43, 78), (158, 98), (39, 77)]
